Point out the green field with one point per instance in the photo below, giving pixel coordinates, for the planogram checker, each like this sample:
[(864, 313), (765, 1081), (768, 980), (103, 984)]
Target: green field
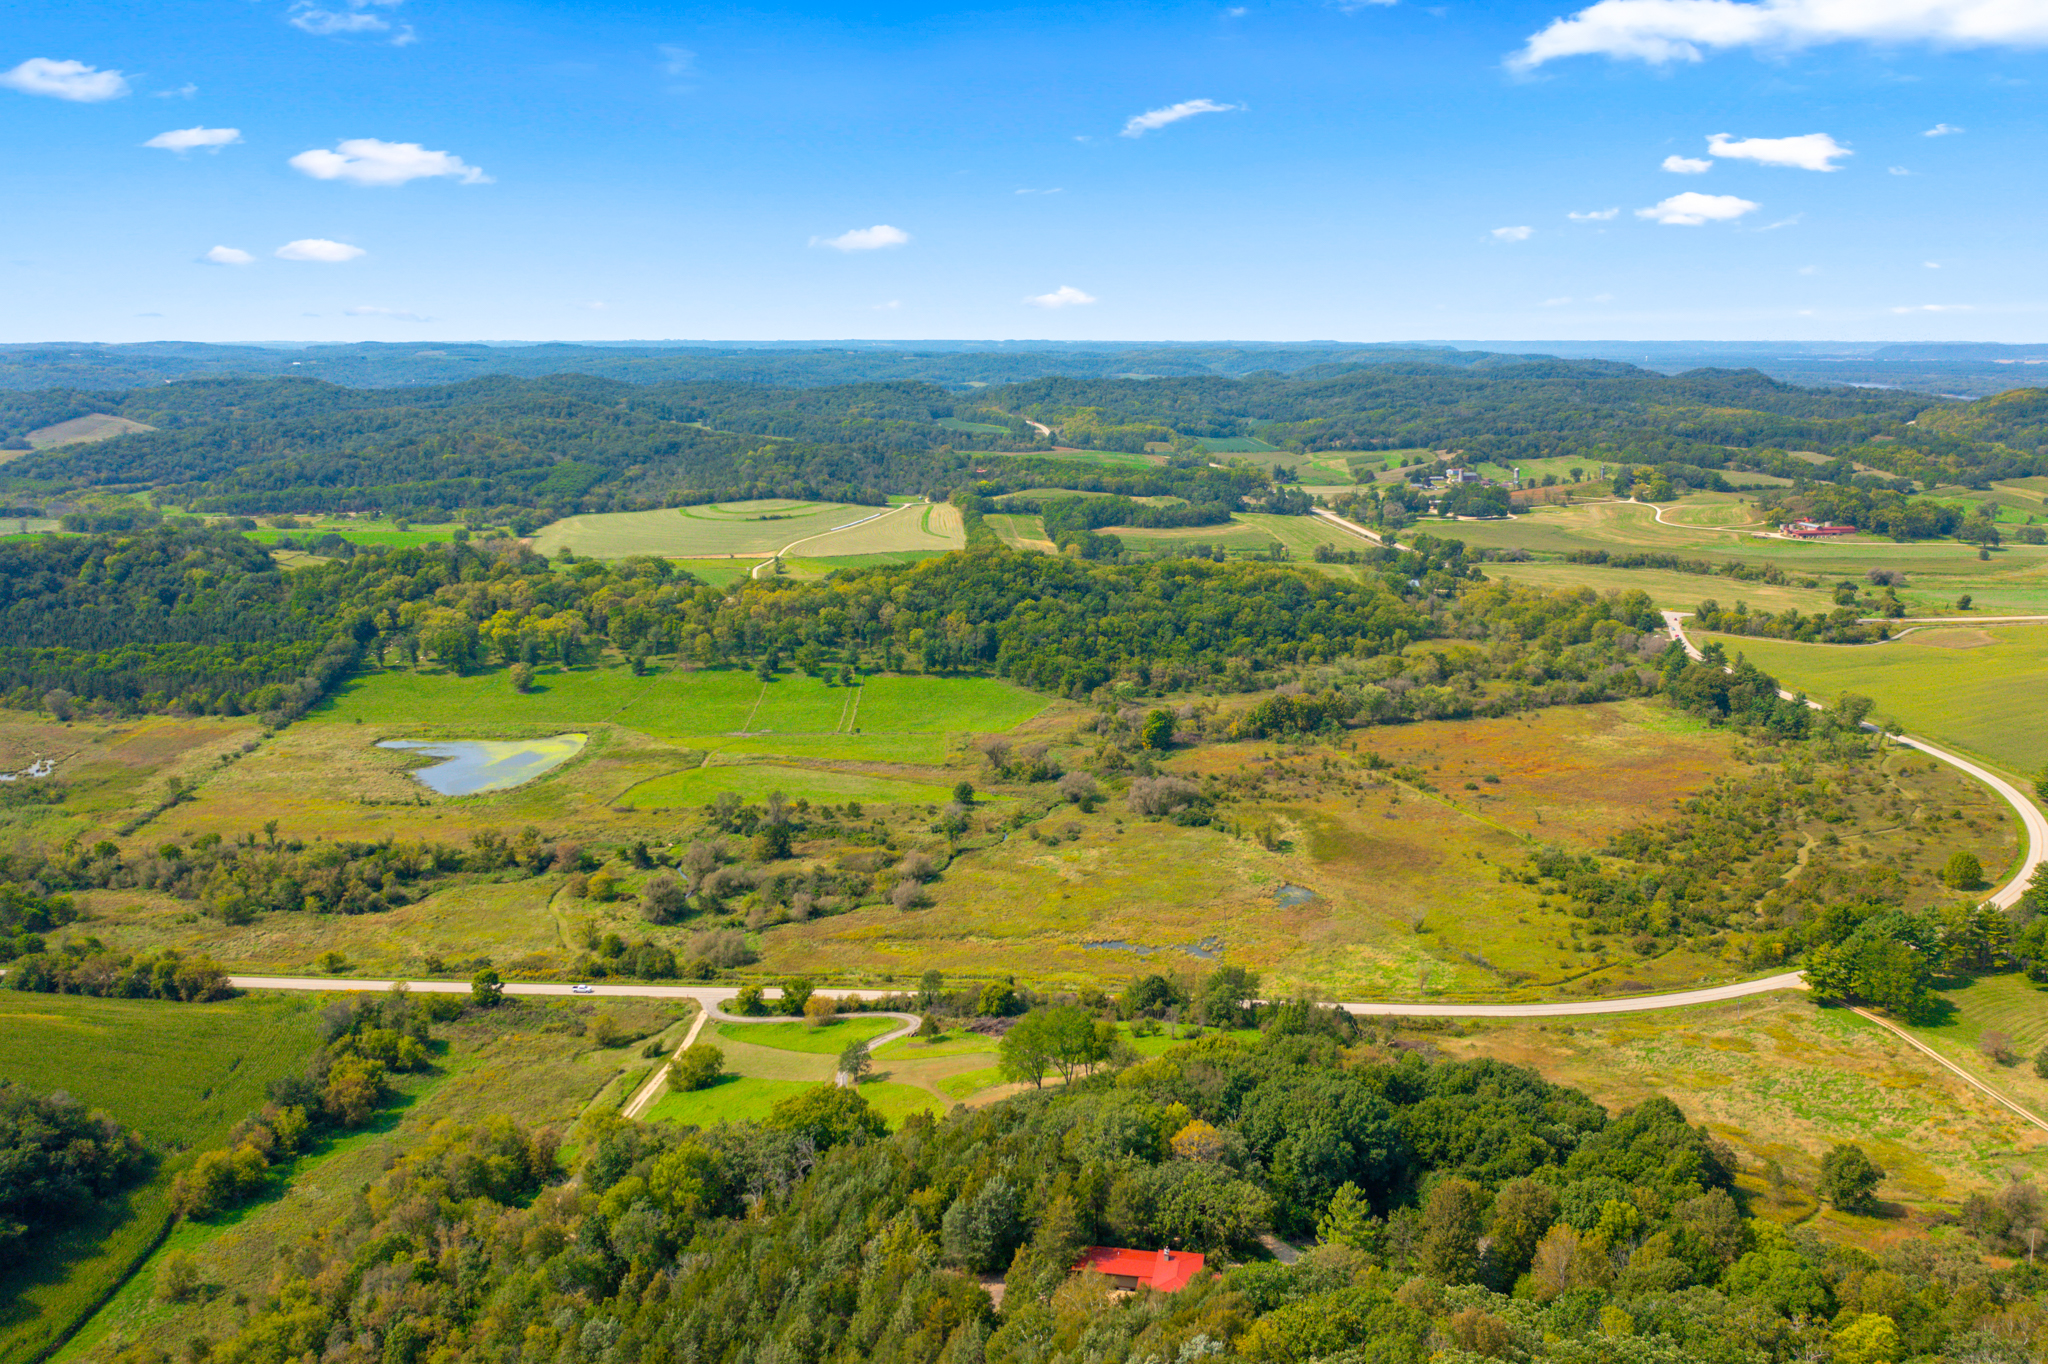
[(382, 539), (1238, 445), (1113, 458), (180, 1074), (753, 781), (672, 703), (828, 1039), (1972, 688), (751, 1098), (956, 424), (757, 528)]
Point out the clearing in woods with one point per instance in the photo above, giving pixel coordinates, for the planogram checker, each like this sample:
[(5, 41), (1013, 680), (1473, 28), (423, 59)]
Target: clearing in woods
[(98, 426), (115, 1055), (1967, 686), (756, 528), (916, 527)]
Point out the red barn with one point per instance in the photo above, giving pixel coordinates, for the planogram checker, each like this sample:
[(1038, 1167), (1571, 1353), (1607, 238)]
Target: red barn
[(1814, 530), (1169, 1271)]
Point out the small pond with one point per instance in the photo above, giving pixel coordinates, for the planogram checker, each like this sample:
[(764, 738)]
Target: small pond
[(477, 765)]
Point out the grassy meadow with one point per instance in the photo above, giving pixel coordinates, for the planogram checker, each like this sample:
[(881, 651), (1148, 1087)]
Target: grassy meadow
[(180, 1074)]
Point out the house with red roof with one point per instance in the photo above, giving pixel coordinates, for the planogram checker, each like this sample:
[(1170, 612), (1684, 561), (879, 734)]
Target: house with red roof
[(1168, 1271)]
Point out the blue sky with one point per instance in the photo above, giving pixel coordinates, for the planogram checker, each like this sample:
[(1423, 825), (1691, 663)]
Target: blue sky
[(458, 170)]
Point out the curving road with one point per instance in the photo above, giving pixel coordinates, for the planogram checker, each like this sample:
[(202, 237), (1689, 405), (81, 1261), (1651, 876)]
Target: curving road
[(2031, 818)]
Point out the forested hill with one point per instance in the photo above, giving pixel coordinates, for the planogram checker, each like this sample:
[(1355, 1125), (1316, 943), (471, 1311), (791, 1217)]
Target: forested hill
[(559, 445), (383, 365), (1537, 408)]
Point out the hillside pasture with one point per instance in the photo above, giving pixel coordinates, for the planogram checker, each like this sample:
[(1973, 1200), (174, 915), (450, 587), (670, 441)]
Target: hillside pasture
[(1966, 688), (97, 426), (915, 527), (753, 782)]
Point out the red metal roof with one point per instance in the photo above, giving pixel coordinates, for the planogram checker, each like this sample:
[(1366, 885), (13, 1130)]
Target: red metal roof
[(1169, 1271)]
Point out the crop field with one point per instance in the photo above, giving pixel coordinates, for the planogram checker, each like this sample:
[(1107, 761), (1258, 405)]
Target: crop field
[(1019, 531), (540, 1052), (1782, 1080), (181, 1074), (1237, 445), (915, 527), (753, 528), (1715, 527), (355, 533), (1969, 687)]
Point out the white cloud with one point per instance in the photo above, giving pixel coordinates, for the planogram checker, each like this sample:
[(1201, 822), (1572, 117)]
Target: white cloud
[(354, 17), (1897, 170), (1942, 130), (1930, 264), (395, 314), (369, 161), (1041, 191), (677, 61), (1598, 215), (1555, 302), (74, 81), (186, 139), (1809, 269), (229, 255), (891, 306), (1141, 124), (1662, 31), (185, 91), (1513, 234), (318, 249), (1792, 221), (874, 238), (1687, 165), (1692, 208), (1809, 151), (596, 305), (1066, 296), (1937, 308)]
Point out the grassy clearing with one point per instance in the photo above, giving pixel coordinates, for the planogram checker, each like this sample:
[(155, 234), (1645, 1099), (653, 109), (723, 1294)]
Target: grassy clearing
[(827, 1039), (182, 1075), (1019, 531), (758, 528), (1104, 458), (1957, 687), (529, 1057), (753, 782), (1782, 1080), (359, 535)]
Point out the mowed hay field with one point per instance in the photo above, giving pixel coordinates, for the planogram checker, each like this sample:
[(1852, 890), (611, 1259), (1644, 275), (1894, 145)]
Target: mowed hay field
[(915, 527), (1783, 1080), (180, 1074), (753, 529), (1975, 688)]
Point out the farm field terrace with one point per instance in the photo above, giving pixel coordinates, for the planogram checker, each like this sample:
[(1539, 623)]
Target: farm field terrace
[(1975, 688)]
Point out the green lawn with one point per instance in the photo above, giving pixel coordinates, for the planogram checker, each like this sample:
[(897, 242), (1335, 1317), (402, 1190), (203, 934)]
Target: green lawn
[(827, 1040), (1973, 698), (753, 781), (749, 1098), (383, 539), (180, 1074)]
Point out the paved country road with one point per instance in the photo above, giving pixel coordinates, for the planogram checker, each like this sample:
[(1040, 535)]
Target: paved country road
[(711, 998)]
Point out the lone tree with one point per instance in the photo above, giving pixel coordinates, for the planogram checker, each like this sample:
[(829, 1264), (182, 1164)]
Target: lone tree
[(1963, 872), (696, 1067), (486, 989), (854, 1062), (1849, 1179)]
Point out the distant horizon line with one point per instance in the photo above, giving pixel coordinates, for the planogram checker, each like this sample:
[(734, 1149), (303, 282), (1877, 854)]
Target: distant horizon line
[(1854, 349)]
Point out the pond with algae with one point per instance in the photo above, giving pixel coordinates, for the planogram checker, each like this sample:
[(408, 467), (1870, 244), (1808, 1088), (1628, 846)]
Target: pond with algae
[(473, 766)]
